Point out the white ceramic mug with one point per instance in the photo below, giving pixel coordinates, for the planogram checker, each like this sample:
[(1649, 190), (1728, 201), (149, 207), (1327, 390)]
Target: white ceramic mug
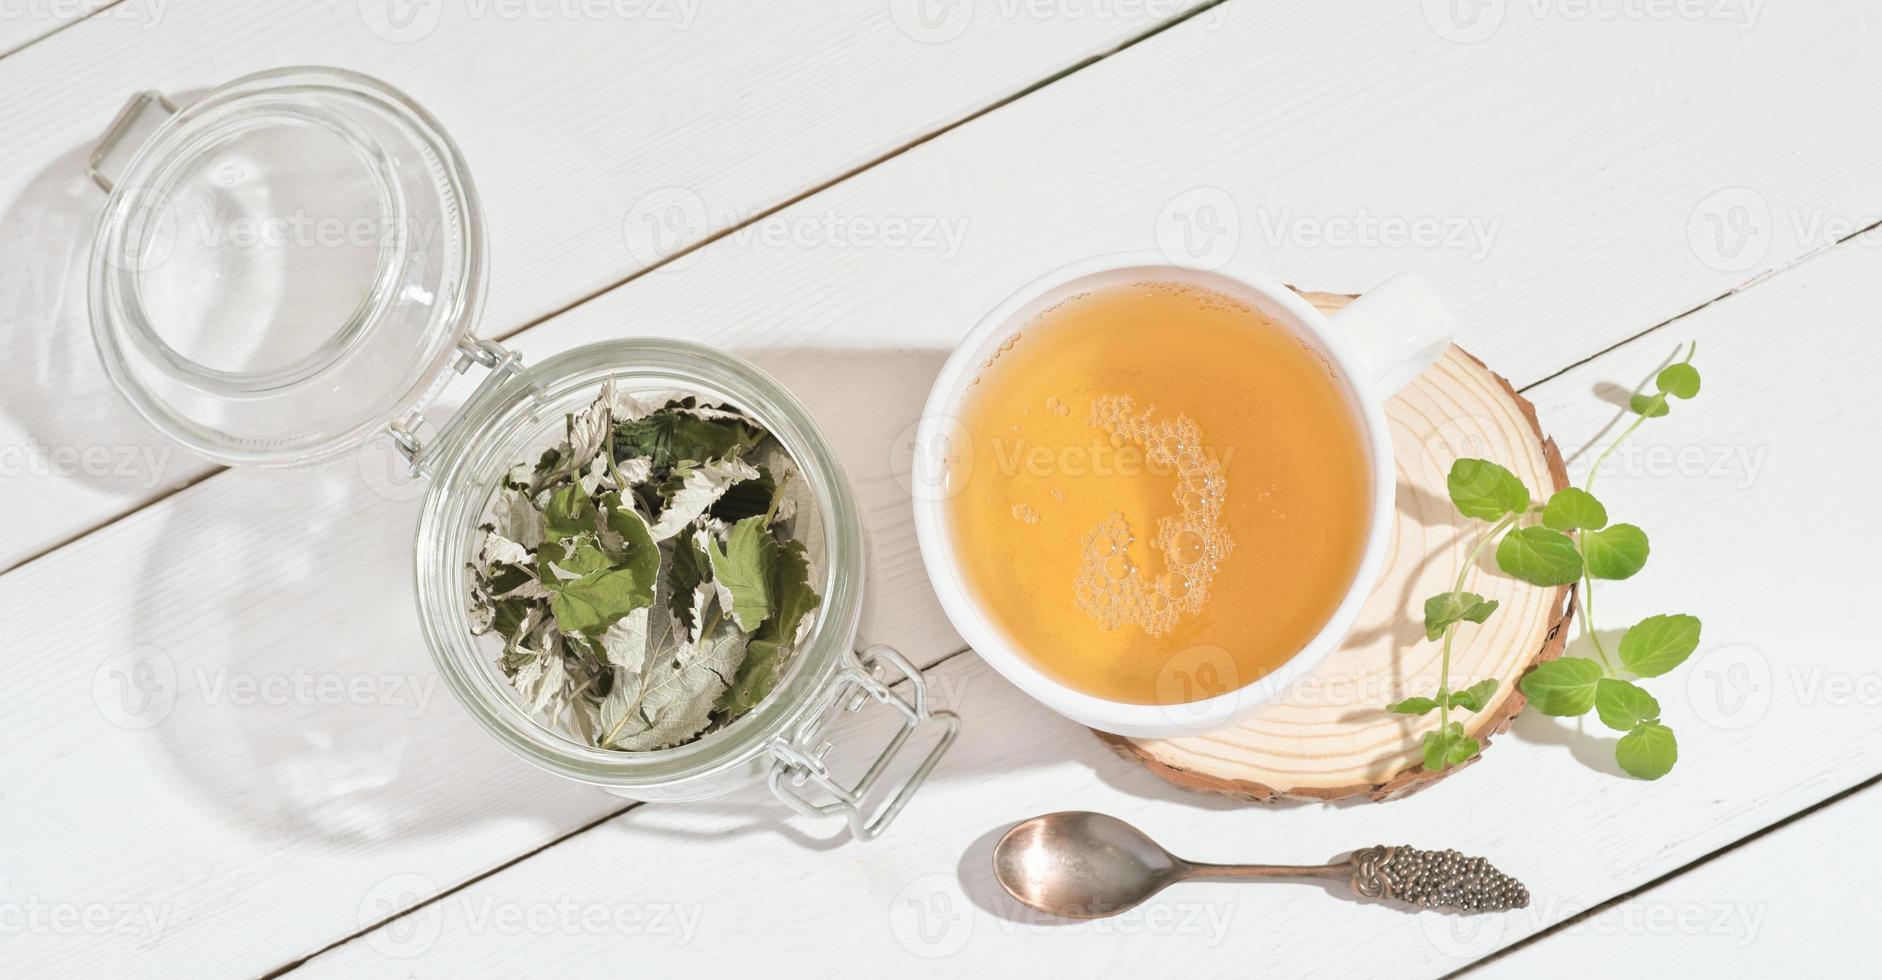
[(1376, 346)]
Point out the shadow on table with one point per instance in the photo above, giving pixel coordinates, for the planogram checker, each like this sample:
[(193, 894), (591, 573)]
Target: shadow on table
[(1585, 738), (55, 388), (305, 702)]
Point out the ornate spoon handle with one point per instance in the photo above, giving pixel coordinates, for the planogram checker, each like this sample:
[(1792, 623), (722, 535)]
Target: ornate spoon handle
[(1427, 879), (1434, 880)]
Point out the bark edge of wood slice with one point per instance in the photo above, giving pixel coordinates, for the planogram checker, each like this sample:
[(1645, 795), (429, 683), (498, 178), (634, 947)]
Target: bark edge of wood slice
[(1328, 736)]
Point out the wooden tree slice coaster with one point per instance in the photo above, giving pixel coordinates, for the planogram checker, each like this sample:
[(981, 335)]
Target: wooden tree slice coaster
[(1328, 736)]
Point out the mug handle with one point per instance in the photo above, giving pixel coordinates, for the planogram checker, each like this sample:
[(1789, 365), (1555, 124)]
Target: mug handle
[(1398, 328)]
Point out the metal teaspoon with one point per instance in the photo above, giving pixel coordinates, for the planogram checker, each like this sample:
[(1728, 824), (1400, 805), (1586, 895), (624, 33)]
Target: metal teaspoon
[(1084, 865)]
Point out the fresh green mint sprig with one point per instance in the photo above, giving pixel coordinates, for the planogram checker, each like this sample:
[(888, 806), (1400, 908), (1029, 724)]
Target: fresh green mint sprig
[(1567, 539)]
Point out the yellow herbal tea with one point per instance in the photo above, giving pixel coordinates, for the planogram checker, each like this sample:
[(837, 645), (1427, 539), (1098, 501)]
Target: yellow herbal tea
[(1165, 494)]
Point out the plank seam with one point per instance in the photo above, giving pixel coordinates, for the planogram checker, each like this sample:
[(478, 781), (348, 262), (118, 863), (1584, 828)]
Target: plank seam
[(290, 967), (1758, 279), (1700, 861), (62, 27), (732, 229)]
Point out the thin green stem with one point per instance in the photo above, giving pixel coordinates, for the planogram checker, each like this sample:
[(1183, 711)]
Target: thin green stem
[(1587, 581), (1616, 444), (1587, 621), (1659, 399), (1463, 575), (777, 497)]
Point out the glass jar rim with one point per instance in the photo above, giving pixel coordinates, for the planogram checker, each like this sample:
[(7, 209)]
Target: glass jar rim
[(480, 443), (150, 371)]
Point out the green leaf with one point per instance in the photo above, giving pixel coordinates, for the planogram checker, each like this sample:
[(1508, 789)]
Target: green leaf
[(1450, 607), (670, 436), (1616, 552), (1412, 706), (1448, 747), (509, 617), (790, 588), (742, 571), (1647, 752), (1474, 697), (1658, 644), (746, 498), (588, 592), (1486, 491), (1652, 406), (570, 512), (639, 552), (1563, 688), (672, 700), (1623, 705), (1539, 556), (698, 488), (1572, 508), (688, 568), (1679, 380)]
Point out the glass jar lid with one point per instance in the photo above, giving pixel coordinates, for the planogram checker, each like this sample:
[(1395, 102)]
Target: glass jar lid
[(287, 265)]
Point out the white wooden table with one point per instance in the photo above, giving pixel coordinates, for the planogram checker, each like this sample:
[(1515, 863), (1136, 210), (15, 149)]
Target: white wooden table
[(1591, 184)]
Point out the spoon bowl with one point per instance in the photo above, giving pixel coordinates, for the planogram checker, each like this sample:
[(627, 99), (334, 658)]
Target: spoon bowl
[(1082, 865)]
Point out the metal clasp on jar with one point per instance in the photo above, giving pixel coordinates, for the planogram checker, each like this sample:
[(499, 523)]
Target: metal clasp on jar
[(503, 364), (800, 753)]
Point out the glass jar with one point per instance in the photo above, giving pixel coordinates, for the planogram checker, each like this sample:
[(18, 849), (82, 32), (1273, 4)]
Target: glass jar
[(354, 309)]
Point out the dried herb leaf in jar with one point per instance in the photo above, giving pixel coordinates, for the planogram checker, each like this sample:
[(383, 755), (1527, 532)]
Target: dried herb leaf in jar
[(642, 573)]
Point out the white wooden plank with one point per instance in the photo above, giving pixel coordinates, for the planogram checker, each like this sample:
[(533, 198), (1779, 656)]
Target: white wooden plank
[(1793, 904), (1558, 162), (741, 291), (1774, 713), (24, 21), (573, 116), (296, 741)]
